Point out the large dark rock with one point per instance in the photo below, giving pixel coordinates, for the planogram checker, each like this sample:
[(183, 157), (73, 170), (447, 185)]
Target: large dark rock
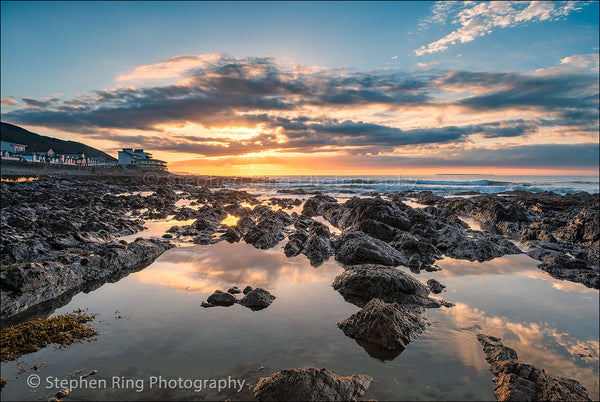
[(220, 298), (361, 283), (374, 216), (359, 248), (257, 299), (390, 326), (519, 381), (317, 205), (25, 285), (311, 384), (269, 230)]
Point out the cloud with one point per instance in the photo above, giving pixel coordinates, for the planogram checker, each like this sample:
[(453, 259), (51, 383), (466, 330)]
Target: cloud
[(9, 101), (476, 19), (173, 67), (308, 110)]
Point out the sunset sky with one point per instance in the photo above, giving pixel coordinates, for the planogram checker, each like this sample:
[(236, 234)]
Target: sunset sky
[(275, 88)]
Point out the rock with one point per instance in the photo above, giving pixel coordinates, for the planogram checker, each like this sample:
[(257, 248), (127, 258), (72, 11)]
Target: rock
[(62, 393), (562, 266), (361, 283), (247, 289), (257, 299), (358, 248), (391, 326), (220, 298), (206, 305), (269, 230), (519, 381), (231, 235), (376, 217), (203, 238), (234, 290), (311, 384), (167, 236), (317, 205), (318, 246), (295, 243), (435, 286)]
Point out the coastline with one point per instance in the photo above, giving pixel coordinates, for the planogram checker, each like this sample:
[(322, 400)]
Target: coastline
[(413, 229)]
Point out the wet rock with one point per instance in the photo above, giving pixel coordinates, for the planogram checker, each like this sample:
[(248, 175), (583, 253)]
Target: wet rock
[(207, 305), (269, 230), (204, 238), (317, 205), (358, 248), (361, 283), (220, 298), (257, 299), (285, 203), (517, 380), (231, 235), (247, 289), (562, 266), (234, 290), (311, 384), (435, 286), (318, 247), (167, 236), (185, 213), (473, 245), (389, 325), (374, 216), (25, 285), (295, 243)]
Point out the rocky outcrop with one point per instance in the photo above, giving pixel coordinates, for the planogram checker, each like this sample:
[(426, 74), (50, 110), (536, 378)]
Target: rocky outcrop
[(318, 204), (563, 227), (257, 299), (390, 326), (376, 217), (269, 229), (361, 283), (26, 285), (359, 248), (519, 381), (312, 239), (311, 384)]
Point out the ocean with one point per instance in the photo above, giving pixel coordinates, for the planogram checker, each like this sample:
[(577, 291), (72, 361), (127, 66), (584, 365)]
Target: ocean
[(438, 184)]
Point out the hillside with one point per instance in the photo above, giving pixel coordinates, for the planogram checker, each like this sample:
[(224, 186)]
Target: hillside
[(41, 143)]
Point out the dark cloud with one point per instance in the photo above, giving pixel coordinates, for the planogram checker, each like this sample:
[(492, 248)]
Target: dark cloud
[(527, 156), (254, 92)]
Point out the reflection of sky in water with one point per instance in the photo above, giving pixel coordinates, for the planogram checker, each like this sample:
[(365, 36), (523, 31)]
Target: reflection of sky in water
[(165, 331)]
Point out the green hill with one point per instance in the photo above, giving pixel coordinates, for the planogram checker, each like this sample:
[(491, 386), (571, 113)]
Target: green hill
[(40, 143)]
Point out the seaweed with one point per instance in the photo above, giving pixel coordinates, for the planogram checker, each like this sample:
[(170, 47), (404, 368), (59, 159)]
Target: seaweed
[(31, 336)]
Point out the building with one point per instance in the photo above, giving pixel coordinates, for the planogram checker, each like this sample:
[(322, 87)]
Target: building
[(140, 159), (12, 148)]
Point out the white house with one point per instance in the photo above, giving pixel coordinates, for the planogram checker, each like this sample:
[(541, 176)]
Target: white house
[(141, 159)]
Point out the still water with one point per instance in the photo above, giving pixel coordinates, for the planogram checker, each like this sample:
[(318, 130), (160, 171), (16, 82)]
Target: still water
[(151, 324)]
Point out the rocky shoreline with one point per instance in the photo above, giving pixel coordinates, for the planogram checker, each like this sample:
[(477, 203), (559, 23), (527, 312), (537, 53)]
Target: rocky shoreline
[(61, 236)]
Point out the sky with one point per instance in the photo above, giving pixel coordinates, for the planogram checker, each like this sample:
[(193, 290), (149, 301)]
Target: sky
[(286, 88)]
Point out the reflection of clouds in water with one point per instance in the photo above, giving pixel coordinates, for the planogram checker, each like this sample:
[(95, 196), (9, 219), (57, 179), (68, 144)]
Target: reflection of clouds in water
[(565, 286), (538, 343), (220, 266), (515, 264)]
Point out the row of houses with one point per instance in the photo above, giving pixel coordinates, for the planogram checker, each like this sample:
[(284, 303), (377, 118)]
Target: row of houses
[(127, 157)]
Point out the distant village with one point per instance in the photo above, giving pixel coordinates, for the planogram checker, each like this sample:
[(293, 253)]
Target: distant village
[(128, 157)]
